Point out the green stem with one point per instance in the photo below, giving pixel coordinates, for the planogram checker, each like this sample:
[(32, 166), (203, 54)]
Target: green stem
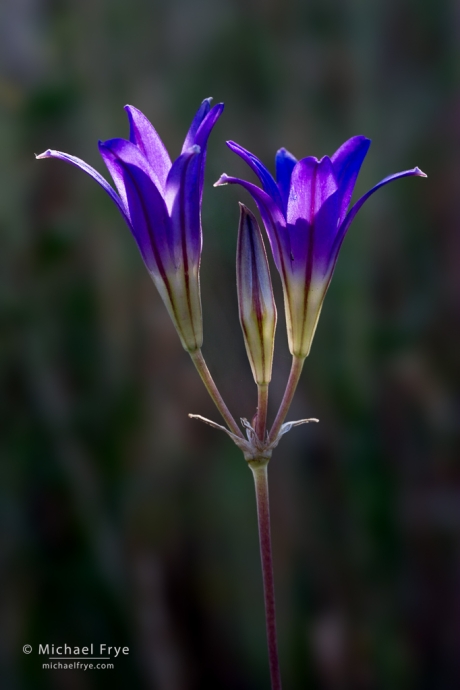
[(259, 471), (201, 366), (294, 376)]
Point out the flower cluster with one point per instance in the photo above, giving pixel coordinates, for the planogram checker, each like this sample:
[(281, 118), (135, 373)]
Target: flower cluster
[(306, 216)]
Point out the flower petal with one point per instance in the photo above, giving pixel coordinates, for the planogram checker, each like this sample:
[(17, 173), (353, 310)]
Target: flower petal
[(309, 274), (347, 161), (144, 135), (268, 183), (67, 158), (312, 223), (312, 182), (273, 218), (130, 153), (285, 163), (147, 209), (204, 130), (202, 111), (311, 243), (182, 197), (183, 204), (202, 136)]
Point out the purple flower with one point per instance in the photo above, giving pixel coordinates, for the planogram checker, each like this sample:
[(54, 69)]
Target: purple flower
[(161, 203), (306, 219)]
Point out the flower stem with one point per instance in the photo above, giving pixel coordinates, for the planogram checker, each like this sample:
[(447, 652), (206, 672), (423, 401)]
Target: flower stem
[(201, 366), (294, 376), (259, 471), (262, 405)]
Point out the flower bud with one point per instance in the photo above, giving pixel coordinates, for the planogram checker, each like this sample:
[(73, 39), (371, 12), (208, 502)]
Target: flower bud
[(256, 303)]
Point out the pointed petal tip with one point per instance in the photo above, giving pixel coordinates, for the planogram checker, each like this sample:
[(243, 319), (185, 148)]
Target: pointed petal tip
[(283, 152), (419, 173), (357, 138), (246, 212), (116, 144), (46, 154), (204, 109), (130, 109), (209, 100), (238, 149), (219, 107), (104, 145), (363, 140), (221, 181)]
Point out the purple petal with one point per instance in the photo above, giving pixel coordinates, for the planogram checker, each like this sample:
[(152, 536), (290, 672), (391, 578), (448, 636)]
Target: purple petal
[(347, 161), (201, 139), (49, 153), (354, 209), (268, 183), (203, 110), (204, 130), (183, 202), (114, 170), (273, 218), (312, 182), (143, 134), (285, 163), (128, 153), (147, 209), (312, 213)]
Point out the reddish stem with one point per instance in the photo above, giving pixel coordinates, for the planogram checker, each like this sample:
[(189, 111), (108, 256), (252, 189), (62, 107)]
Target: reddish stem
[(259, 471), (294, 376), (262, 406), (200, 364)]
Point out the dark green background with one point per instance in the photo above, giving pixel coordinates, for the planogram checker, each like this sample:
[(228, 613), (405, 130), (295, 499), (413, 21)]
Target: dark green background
[(124, 522)]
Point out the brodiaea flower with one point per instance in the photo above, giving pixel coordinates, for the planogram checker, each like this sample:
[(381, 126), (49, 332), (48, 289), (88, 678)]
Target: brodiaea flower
[(161, 203), (306, 219)]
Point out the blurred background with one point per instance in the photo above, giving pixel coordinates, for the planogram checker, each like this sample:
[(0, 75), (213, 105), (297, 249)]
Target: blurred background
[(127, 523)]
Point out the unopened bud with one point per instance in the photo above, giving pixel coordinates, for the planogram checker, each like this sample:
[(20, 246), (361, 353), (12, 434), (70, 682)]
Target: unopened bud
[(256, 303)]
